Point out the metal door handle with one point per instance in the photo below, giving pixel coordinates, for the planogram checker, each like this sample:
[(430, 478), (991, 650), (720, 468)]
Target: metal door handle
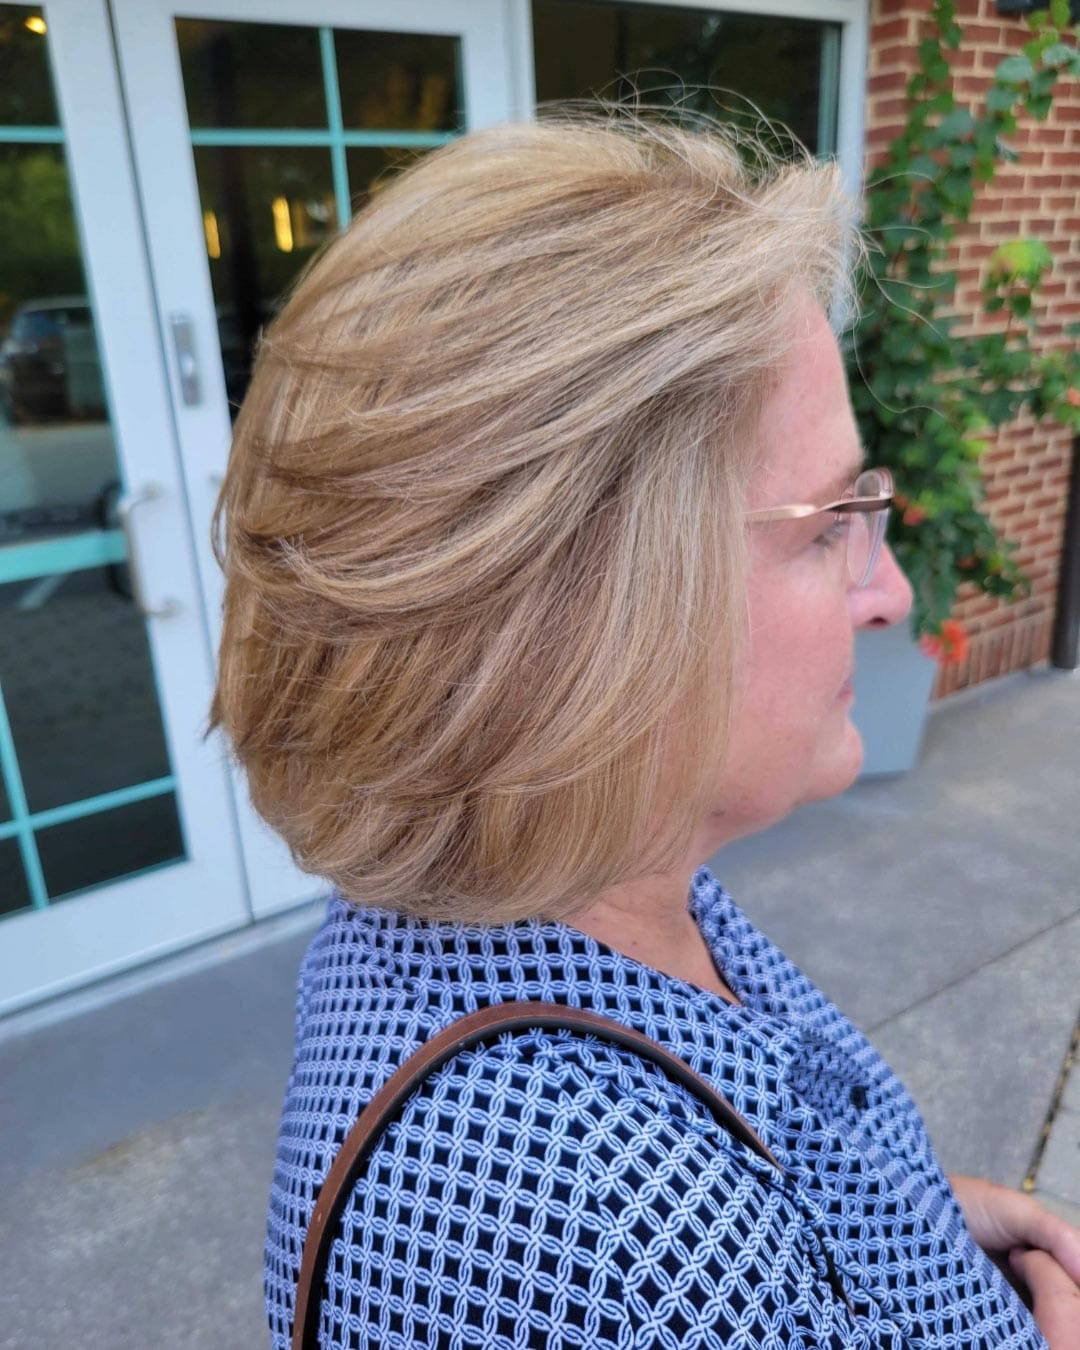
[(125, 509)]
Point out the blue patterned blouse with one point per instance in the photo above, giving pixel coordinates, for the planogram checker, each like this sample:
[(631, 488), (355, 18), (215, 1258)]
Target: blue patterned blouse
[(551, 1190)]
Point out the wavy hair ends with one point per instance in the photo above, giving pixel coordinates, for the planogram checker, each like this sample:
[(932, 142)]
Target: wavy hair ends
[(482, 521)]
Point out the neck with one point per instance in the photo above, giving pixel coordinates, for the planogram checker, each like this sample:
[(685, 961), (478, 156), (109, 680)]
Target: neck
[(648, 920)]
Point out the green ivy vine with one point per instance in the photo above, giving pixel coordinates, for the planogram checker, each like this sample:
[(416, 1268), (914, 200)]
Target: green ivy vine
[(927, 398)]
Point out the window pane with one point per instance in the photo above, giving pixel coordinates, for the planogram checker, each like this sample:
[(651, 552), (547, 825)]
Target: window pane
[(108, 845), (265, 211), (399, 81), (372, 167), (79, 687), (266, 208), (704, 60), (251, 74), (14, 892), (40, 256), (76, 675), (26, 94)]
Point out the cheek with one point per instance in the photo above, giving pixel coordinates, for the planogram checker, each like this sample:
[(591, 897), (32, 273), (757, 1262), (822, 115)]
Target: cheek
[(800, 648)]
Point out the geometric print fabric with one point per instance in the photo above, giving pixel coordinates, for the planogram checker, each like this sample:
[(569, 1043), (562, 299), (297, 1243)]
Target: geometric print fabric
[(548, 1189)]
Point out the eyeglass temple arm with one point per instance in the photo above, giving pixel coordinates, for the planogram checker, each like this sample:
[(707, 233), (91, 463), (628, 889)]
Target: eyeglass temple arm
[(852, 504)]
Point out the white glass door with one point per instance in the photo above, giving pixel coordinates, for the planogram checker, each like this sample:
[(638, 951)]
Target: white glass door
[(258, 126), (117, 840)]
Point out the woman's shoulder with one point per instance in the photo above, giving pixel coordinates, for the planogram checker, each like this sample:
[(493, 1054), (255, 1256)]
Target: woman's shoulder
[(375, 985), (534, 1157), (553, 1180)]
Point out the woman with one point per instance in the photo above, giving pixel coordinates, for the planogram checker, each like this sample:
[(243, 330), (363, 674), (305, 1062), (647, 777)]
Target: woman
[(537, 596)]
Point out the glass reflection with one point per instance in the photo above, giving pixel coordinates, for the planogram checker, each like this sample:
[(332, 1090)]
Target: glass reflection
[(93, 726), (399, 81), (724, 64), (26, 93), (265, 212), (372, 167), (267, 203), (95, 849), (76, 676), (14, 892), (57, 457), (251, 74)]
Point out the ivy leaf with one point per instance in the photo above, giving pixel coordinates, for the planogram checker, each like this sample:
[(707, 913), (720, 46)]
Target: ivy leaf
[(1000, 98), (924, 166), (1014, 70), (941, 102), (1059, 54), (955, 124), (1036, 46), (1021, 259), (1043, 82), (932, 61)]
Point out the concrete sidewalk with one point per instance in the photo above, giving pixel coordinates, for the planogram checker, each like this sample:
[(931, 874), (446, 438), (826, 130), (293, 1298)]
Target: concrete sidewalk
[(941, 910)]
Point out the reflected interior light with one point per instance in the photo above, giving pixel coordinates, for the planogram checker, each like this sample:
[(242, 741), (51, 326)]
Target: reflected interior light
[(283, 235), (37, 24), (213, 239)]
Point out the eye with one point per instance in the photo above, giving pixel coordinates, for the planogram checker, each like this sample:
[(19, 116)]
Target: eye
[(837, 532)]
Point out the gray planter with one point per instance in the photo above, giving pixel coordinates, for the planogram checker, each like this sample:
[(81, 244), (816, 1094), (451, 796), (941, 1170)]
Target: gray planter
[(893, 681)]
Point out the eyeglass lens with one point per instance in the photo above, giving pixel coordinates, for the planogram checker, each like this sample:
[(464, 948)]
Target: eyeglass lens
[(866, 530)]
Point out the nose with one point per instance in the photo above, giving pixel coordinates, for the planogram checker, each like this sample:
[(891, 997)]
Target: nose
[(885, 599)]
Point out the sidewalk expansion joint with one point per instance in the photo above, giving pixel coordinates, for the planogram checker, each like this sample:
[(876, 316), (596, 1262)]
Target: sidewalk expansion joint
[(1028, 1184), (875, 1027)]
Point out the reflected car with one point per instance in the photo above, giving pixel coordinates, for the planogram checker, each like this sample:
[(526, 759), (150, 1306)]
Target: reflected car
[(49, 364), (49, 368)]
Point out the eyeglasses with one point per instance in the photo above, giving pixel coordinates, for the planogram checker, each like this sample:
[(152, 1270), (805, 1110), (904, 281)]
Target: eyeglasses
[(862, 515)]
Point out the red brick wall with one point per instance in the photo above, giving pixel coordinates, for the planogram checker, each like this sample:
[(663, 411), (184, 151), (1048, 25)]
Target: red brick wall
[(1028, 465)]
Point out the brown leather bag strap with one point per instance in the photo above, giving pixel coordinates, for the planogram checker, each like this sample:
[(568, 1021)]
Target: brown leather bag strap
[(459, 1036)]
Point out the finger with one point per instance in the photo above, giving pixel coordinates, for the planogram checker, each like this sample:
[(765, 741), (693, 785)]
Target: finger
[(1041, 1272), (1023, 1221), (1056, 1236), (1055, 1296)]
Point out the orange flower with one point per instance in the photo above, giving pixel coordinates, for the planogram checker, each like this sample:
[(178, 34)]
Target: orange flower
[(1073, 397), (949, 645), (914, 515)]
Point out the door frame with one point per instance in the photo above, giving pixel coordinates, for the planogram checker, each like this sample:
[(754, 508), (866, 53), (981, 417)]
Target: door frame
[(853, 16), (126, 922)]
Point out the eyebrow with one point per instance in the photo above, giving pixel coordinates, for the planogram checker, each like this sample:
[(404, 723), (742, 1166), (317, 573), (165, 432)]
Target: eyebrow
[(835, 489)]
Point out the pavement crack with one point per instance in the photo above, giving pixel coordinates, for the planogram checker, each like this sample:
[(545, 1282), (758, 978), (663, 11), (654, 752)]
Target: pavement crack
[(1028, 1184), (875, 1027)]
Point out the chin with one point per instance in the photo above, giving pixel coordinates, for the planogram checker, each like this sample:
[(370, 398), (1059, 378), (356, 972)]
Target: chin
[(829, 773), (842, 770)]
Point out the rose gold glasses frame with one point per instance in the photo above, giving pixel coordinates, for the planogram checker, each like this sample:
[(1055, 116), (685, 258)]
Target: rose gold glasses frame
[(845, 506)]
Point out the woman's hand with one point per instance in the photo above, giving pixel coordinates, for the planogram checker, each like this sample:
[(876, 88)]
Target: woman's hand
[(1043, 1252), (1055, 1297)]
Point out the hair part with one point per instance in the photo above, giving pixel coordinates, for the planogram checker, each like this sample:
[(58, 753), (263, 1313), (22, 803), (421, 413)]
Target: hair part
[(482, 521)]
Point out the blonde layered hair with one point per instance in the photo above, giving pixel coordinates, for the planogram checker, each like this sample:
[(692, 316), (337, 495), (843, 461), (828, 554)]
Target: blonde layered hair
[(482, 522)]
